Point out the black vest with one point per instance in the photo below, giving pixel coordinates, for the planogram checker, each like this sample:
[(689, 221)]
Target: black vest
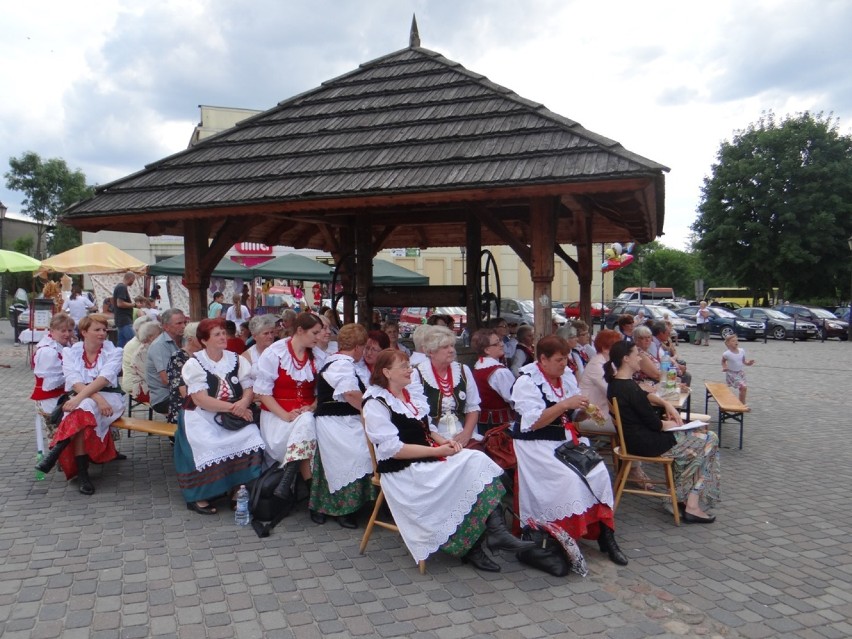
[(554, 432), (327, 406), (213, 386), (411, 431)]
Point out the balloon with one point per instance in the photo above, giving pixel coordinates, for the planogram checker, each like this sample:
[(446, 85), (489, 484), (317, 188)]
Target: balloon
[(616, 263), (617, 248), (609, 254)]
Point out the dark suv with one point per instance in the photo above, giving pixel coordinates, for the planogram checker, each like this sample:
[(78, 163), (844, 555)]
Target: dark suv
[(826, 322)]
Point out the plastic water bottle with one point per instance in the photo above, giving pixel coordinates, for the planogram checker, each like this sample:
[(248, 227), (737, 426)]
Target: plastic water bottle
[(242, 516), (39, 476), (668, 377)]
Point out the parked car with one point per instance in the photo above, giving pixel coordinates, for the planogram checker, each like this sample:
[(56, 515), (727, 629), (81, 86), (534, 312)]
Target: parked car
[(779, 325), (413, 316), (724, 323), (682, 325), (842, 312), (521, 312), (572, 310), (826, 322)]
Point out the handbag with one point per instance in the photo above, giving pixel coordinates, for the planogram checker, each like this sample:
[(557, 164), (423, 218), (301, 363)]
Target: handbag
[(229, 421), (547, 555), (57, 414), (499, 447), (579, 457)]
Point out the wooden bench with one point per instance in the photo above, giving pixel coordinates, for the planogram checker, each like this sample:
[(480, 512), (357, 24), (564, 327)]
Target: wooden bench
[(730, 407), (145, 426)]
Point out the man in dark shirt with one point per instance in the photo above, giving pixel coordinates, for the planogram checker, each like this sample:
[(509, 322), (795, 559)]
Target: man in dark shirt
[(123, 309)]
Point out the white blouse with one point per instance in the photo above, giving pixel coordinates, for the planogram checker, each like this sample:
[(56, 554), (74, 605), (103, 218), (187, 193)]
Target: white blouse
[(501, 380), (377, 420), (196, 368), (48, 363), (526, 394), (277, 356), (107, 365), (341, 376)]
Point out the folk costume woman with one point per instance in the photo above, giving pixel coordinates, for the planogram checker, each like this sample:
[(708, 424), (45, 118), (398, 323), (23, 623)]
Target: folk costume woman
[(493, 380), (442, 496), (209, 459), (286, 376), (449, 387), (47, 368), (91, 368), (377, 341), (547, 399), (342, 466)]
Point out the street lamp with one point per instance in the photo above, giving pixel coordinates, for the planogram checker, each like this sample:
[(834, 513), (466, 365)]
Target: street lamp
[(3, 210), (849, 328)]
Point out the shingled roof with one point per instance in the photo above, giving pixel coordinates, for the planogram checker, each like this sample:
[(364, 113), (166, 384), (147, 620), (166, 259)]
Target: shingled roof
[(411, 131)]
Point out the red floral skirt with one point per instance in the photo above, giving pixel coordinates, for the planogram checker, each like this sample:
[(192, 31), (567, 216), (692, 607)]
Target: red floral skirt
[(100, 451)]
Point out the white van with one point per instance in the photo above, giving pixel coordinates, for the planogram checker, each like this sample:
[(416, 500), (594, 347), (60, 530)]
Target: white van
[(650, 295)]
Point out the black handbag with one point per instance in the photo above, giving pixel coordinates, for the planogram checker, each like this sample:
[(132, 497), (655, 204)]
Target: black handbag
[(229, 421), (57, 414), (578, 457), (547, 555)]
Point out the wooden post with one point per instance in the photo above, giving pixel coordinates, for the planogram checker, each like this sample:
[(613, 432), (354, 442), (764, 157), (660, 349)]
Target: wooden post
[(473, 247), (195, 243), (364, 269), (543, 235), (347, 279), (583, 228)]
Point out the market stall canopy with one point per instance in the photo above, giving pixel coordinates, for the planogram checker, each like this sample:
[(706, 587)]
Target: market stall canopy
[(390, 274), (97, 257), (12, 262), (226, 268), (294, 267)]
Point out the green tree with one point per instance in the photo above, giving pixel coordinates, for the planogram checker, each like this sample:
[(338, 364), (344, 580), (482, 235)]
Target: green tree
[(24, 244), (49, 187), (777, 208), (663, 265)]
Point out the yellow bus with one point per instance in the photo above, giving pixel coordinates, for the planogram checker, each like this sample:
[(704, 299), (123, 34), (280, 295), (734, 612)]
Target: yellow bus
[(743, 296)]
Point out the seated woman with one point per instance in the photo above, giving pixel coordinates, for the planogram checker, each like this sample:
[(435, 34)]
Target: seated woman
[(493, 381), (594, 386), (286, 380), (209, 459), (133, 379), (695, 452), (441, 495), (524, 352), (47, 368), (342, 467), (174, 375), (263, 329), (649, 368), (547, 400), (449, 387), (391, 329), (91, 369), (377, 341)]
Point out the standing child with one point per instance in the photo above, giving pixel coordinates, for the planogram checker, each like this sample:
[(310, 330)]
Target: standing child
[(733, 364)]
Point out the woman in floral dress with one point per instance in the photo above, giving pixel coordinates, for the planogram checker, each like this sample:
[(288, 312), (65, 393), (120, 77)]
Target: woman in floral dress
[(342, 466)]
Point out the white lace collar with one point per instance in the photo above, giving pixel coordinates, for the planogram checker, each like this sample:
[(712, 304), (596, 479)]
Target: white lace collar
[(486, 362), (396, 404), (569, 382), (220, 368), (288, 364), (428, 375)]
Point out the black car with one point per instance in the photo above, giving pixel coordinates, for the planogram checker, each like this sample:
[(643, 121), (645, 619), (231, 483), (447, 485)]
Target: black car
[(779, 325), (724, 323), (826, 322)]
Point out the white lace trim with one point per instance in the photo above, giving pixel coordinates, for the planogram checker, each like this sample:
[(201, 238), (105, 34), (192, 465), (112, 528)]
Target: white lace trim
[(396, 404), (428, 376), (220, 368), (569, 383), (304, 374), (220, 456), (486, 362)]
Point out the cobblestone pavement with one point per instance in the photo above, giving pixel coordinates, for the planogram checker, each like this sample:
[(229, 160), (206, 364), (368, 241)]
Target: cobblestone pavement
[(131, 561)]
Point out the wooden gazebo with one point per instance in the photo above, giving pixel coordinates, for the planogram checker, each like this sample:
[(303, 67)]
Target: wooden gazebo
[(408, 150)]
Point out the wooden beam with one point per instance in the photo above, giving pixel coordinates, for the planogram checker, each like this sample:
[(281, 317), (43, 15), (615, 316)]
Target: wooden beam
[(364, 269), (195, 243), (583, 224), (473, 276), (500, 229), (543, 230), (382, 237), (570, 261), (328, 235)]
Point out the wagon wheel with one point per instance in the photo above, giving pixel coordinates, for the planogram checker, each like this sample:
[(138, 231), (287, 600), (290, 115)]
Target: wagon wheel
[(346, 266), (485, 295)]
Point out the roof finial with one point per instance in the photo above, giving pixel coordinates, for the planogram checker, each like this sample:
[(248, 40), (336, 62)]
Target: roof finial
[(414, 37)]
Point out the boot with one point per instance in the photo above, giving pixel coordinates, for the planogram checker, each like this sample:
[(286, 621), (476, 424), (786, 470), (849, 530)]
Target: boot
[(284, 489), (607, 544), (86, 486), (477, 558), (499, 537), (47, 464)]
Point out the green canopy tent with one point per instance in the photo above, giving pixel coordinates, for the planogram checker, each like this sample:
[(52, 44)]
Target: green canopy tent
[(294, 267), (390, 274), (226, 268)]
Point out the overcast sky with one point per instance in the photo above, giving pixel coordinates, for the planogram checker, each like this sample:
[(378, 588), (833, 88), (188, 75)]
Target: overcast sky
[(112, 85)]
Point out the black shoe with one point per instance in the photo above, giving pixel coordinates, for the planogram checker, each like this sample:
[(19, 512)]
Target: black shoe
[(689, 518), (209, 509), (477, 558), (85, 484), (499, 537), (607, 544), (120, 456), (49, 461), (284, 489), (318, 517), (347, 521)]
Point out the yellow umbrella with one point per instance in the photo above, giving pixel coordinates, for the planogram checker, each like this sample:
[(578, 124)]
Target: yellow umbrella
[(97, 257)]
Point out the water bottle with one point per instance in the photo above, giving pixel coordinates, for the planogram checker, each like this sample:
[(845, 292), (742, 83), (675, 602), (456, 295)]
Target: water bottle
[(39, 476), (668, 375), (242, 516)]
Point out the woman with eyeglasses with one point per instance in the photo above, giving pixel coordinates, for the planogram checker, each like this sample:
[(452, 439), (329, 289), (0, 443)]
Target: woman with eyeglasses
[(342, 467), (286, 385), (493, 380), (377, 341), (449, 387), (442, 496)]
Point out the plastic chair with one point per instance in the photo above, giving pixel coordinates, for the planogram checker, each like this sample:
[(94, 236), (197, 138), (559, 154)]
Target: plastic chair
[(626, 462)]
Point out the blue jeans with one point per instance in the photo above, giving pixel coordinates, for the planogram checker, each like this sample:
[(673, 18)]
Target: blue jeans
[(125, 334)]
